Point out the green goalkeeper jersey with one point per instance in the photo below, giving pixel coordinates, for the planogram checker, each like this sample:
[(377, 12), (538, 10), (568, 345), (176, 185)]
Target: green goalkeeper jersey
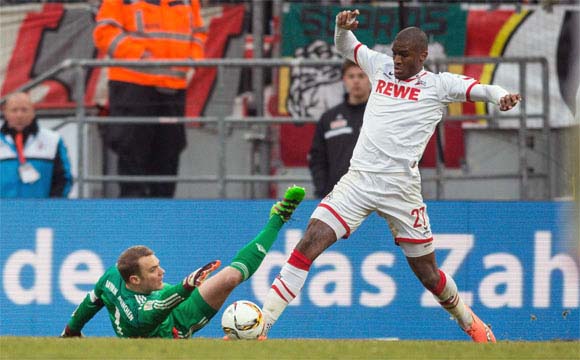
[(132, 314)]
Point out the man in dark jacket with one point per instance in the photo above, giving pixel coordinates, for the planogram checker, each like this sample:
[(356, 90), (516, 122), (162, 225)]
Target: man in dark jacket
[(337, 131)]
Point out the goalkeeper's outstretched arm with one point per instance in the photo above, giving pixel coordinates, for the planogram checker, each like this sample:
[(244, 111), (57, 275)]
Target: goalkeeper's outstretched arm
[(88, 308)]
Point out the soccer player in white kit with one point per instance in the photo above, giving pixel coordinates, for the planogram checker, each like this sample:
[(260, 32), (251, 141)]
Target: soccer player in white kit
[(405, 105)]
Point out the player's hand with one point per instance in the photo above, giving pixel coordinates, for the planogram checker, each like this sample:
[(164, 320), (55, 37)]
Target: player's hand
[(67, 332), (196, 278), (347, 19), (509, 101)]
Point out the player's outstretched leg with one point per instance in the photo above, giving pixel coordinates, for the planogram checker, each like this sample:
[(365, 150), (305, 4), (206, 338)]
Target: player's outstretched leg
[(448, 297), (249, 258), (289, 282)]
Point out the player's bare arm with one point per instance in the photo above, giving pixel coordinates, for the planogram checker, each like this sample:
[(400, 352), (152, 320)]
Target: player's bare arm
[(508, 101), (347, 19)]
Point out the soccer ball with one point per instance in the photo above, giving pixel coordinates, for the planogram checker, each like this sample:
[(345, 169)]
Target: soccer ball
[(243, 320)]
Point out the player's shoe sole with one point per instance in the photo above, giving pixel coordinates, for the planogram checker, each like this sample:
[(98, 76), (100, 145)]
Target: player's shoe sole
[(479, 331), (285, 207)]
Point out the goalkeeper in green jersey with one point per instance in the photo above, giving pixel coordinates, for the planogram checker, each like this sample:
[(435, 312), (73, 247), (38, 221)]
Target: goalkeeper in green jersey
[(141, 305)]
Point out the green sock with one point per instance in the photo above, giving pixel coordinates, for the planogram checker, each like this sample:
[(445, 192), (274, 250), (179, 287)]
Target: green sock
[(249, 258)]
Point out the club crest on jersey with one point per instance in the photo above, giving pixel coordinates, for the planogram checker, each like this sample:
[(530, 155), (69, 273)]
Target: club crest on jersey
[(420, 81), (397, 90)]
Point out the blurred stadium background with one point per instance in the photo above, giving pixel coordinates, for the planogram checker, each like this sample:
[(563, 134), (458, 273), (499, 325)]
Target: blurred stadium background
[(502, 189)]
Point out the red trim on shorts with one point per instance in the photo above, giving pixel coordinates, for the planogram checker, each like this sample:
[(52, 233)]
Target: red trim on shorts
[(341, 220), (355, 52), (298, 260), (441, 285), (414, 241), (468, 92)]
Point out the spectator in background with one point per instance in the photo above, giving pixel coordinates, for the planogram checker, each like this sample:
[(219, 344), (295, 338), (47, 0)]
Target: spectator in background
[(337, 131), (148, 30), (33, 160)]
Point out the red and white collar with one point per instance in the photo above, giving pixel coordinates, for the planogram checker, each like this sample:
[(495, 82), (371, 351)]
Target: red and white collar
[(416, 76)]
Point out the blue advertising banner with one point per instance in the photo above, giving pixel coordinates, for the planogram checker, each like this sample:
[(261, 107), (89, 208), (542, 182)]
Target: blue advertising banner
[(514, 262)]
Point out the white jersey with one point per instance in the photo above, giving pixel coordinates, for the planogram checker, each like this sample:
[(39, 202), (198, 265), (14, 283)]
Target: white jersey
[(401, 115)]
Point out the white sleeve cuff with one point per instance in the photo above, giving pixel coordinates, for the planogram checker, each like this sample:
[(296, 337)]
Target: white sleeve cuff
[(487, 93)]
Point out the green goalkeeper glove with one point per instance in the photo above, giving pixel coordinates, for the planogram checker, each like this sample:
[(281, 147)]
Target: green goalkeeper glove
[(196, 278)]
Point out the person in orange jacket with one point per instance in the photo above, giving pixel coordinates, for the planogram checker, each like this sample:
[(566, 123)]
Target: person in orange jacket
[(148, 30)]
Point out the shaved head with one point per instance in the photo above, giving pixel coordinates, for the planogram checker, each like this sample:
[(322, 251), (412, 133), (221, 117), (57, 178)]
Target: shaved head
[(414, 36), (409, 52)]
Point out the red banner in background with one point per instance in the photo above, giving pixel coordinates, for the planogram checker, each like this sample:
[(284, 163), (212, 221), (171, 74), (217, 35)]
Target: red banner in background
[(483, 28), (25, 53), (220, 30)]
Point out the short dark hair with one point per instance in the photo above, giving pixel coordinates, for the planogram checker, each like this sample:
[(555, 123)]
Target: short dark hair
[(414, 35), (347, 64), (128, 262)]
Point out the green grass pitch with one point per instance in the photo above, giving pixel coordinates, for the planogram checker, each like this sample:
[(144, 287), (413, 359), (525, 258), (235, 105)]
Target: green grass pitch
[(200, 348)]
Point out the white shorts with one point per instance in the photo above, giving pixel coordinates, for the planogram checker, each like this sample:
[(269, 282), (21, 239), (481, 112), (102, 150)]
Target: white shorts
[(395, 197)]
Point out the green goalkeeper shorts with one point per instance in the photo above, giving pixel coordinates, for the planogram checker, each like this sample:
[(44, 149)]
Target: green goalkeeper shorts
[(191, 315)]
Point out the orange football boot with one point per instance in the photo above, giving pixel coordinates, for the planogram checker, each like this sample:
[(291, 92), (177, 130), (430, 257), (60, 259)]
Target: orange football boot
[(479, 331)]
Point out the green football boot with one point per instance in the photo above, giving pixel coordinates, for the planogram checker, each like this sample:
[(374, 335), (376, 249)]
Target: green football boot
[(285, 207)]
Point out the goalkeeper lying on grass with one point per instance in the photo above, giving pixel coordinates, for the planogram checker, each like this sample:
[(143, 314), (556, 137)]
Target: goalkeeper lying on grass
[(141, 305)]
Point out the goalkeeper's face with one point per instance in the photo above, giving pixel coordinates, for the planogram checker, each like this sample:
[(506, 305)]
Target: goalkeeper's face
[(151, 274)]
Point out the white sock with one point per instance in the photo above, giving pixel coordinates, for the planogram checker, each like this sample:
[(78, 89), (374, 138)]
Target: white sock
[(448, 297), (285, 288)]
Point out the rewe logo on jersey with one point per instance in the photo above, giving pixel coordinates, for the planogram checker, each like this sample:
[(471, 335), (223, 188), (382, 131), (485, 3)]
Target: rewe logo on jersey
[(398, 90)]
